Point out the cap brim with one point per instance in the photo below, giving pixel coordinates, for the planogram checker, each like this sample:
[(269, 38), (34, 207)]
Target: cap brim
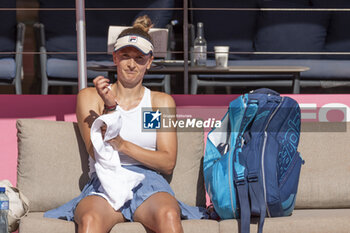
[(140, 43)]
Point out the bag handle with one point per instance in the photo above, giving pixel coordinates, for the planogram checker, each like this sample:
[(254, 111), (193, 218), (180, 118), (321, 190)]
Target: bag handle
[(264, 91)]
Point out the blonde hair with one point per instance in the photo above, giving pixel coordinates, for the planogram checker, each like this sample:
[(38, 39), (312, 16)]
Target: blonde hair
[(141, 27), (143, 22)]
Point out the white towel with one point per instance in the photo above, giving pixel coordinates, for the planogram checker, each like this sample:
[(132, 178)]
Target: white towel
[(116, 182)]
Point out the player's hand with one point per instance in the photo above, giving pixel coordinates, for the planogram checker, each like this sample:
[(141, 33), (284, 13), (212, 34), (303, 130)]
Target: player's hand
[(102, 86), (117, 143)]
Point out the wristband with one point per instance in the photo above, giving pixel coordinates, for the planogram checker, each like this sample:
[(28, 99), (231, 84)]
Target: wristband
[(110, 108)]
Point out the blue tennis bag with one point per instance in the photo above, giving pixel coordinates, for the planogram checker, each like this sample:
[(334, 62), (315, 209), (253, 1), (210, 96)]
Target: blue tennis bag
[(251, 163)]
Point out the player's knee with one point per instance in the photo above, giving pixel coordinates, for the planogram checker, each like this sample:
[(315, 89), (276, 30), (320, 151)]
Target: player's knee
[(168, 220), (89, 220), (168, 215)]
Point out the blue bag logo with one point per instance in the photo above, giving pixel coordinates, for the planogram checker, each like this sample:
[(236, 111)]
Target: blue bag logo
[(151, 119)]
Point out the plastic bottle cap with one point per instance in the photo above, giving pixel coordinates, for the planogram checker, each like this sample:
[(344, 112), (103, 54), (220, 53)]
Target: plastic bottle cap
[(2, 189)]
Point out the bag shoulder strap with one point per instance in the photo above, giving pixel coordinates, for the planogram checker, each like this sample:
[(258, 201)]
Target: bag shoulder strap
[(240, 166)]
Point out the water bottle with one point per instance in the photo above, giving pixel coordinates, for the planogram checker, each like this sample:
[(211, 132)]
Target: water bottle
[(4, 209), (200, 47)]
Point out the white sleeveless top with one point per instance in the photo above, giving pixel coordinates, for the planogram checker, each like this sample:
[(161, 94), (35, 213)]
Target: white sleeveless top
[(131, 130)]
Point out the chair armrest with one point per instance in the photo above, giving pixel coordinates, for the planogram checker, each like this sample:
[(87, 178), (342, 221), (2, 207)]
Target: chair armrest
[(39, 30), (19, 57), (20, 37), (19, 44), (19, 48)]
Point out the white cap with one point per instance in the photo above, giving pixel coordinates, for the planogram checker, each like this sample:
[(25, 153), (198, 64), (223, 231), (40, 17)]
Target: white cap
[(142, 44)]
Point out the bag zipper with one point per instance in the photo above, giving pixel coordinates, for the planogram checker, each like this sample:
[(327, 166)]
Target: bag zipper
[(263, 155)]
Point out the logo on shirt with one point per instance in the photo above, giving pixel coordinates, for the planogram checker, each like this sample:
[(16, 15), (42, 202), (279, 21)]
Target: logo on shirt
[(133, 39), (151, 119)]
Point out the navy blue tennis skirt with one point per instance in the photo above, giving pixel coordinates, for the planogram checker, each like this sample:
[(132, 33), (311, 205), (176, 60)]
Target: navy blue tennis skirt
[(151, 184)]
